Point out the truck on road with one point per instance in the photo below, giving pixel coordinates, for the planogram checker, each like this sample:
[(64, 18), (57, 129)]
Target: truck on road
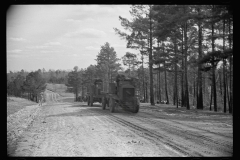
[(95, 92), (122, 93)]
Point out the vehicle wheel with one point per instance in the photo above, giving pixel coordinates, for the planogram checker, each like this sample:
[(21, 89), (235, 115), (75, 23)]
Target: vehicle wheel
[(91, 100), (112, 105), (88, 101), (103, 103), (136, 109), (107, 102), (135, 106)]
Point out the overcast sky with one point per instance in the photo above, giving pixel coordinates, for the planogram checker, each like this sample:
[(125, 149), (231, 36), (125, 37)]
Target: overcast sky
[(61, 36)]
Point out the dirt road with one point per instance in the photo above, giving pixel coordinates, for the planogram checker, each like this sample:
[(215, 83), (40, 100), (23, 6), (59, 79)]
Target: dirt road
[(65, 128)]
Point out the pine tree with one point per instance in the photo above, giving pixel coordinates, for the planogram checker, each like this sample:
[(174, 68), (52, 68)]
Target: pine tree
[(130, 60), (108, 62), (74, 80), (34, 85), (141, 24)]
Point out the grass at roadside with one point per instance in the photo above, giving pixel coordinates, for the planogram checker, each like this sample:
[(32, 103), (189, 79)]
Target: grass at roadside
[(15, 104), (171, 109)]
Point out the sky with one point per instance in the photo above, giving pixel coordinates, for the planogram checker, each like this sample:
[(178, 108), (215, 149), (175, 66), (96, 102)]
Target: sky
[(61, 36)]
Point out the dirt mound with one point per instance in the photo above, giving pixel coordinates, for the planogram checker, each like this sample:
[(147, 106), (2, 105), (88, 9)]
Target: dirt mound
[(17, 123), (9, 99)]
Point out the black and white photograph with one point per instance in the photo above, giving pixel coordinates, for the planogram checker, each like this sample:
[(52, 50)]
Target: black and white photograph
[(119, 80)]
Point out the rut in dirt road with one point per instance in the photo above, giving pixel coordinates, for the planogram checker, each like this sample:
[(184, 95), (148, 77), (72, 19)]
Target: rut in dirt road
[(75, 129), (163, 129)]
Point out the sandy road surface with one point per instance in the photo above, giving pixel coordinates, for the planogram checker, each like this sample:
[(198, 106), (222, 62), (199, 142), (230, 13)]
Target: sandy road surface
[(65, 128)]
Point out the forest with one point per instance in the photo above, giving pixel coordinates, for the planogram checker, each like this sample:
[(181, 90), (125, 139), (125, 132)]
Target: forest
[(184, 57)]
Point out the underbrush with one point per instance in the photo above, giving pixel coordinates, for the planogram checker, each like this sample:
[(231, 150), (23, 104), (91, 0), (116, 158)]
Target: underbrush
[(15, 104)]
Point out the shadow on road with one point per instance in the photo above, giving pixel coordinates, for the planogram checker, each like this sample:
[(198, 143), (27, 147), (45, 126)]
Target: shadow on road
[(153, 112), (95, 110)]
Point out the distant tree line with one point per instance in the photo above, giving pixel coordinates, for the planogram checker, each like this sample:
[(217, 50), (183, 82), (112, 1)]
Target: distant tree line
[(26, 85), (30, 84)]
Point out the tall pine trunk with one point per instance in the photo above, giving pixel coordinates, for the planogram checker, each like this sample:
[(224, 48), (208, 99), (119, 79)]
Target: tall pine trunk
[(197, 89), (173, 89), (213, 71), (204, 86), (159, 87), (185, 68), (211, 95), (108, 78), (166, 90), (143, 75), (182, 79), (231, 86), (220, 83), (156, 88), (228, 90), (231, 71), (150, 60), (214, 87), (176, 92), (159, 76), (146, 92), (199, 93), (194, 88), (224, 76), (175, 78)]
